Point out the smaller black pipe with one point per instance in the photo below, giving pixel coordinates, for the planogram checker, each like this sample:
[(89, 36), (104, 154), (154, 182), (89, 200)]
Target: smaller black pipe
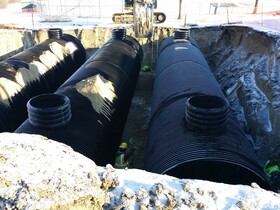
[(182, 34), (119, 34), (55, 33), (49, 111), (207, 114)]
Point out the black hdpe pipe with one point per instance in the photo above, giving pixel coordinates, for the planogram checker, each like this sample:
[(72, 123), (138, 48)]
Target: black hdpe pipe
[(193, 133), (37, 70), (100, 94), (180, 35)]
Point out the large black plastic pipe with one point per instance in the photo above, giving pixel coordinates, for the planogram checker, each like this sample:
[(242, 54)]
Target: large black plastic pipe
[(100, 93), (181, 142), (39, 69)]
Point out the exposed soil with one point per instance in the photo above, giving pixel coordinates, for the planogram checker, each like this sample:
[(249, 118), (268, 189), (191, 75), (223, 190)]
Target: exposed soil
[(10, 26), (240, 54), (137, 126)]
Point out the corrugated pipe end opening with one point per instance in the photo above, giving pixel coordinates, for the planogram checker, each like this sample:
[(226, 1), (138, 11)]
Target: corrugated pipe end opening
[(183, 33), (119, 34), (217, 171), (49, 111), (207, 114), (55, 33)]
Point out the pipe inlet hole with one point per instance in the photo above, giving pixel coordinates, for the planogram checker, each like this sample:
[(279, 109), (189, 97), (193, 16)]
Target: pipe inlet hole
[(55, 33), (49, 111), (207, 114)]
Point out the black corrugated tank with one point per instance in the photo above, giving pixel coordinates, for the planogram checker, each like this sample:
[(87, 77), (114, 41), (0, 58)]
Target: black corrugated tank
[(182, 142), (39, 69), (100, 94)]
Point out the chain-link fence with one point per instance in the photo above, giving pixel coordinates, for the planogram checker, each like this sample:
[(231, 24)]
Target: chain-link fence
[(92, 12), (64, 9), (194, 10)]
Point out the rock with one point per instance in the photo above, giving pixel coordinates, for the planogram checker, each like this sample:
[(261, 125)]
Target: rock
[(37, 173), (109, 178), (155, 191)]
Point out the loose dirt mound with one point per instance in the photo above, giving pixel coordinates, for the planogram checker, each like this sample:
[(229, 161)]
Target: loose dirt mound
[(10, 26)]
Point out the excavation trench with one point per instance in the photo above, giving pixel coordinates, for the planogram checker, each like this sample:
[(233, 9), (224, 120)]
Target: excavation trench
[(238, 57)]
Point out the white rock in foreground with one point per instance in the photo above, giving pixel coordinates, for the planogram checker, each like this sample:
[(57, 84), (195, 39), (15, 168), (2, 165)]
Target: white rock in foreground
[(37, 173)]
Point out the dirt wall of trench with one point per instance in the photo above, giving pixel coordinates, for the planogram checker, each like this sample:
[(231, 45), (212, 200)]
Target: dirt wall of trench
[(15, 41), (251, 58)]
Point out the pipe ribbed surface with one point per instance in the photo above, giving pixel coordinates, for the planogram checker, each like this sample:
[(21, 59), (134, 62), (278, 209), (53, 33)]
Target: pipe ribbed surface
[(55, 33), (119, 34), (207, 114), (49, 111), (37, 70), (100, 93), (191, 148), (182, 34)]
